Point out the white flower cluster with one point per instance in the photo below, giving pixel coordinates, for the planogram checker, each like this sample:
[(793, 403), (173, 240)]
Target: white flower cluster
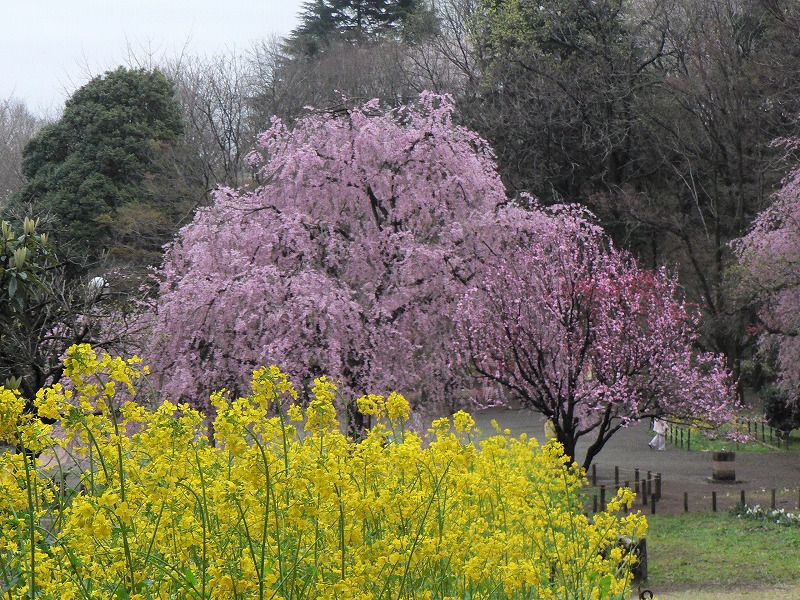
[(756, 513)]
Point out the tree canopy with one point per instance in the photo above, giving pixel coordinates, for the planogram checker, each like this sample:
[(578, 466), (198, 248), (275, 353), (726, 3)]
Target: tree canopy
[(322, 21), (658, 116), (346, 261), (99, 167), (578, 331), (353, 256)]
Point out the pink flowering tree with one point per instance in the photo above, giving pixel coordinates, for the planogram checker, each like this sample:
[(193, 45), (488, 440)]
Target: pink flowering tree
[(576, 330), (347, 261), (769, 277)]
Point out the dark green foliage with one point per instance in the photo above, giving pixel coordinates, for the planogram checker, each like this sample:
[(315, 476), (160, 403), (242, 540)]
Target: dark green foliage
[(322, 21), (43, 312), (556, 96), (24, 260), (26, 264), (117, 133)]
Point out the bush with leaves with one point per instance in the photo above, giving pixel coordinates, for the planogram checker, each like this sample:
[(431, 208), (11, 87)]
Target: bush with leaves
[(43, 312)]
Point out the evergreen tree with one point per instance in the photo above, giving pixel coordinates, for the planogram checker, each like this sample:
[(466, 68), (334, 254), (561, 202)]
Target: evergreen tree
[(106, 161), (354, 20)]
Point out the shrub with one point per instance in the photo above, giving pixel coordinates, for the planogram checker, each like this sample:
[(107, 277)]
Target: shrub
[(280, 504)]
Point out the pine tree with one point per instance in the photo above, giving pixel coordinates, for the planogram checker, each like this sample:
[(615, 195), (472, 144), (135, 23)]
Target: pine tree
[(354, 20)]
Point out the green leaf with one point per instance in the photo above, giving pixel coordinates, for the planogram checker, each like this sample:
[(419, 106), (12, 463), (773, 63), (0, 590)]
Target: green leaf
[(605, 586)]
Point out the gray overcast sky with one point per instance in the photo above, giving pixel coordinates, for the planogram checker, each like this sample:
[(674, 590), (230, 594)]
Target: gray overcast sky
[(49, 48)]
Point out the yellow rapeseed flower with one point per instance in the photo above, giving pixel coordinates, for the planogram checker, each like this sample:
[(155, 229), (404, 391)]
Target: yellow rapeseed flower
[(11, 407), (305, 515)]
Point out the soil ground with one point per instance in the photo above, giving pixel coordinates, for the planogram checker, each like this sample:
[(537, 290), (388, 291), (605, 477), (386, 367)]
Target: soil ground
[(682, 471)]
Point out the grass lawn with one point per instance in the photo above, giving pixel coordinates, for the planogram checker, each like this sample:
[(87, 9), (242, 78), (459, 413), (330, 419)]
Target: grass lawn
[(700, 442), (699, 555), (771, 593)]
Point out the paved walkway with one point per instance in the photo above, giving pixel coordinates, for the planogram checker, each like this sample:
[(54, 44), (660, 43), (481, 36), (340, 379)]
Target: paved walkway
[(681, 470)]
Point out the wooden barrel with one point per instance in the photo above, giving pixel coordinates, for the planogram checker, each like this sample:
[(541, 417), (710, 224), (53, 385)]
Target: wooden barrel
[(724, 465)]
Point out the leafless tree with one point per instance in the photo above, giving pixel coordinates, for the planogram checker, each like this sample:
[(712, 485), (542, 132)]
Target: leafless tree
[(448, 61), (214, 93), (434, 53), (284, 85), (17, 126), (706, 158)]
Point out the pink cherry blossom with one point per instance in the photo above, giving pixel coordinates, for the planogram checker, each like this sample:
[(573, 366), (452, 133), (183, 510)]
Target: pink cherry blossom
[(769, 275), (576, 330), (381, 250), (347, 261)]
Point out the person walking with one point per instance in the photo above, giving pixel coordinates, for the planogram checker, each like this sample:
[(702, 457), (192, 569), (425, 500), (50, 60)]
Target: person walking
[(659, 441)]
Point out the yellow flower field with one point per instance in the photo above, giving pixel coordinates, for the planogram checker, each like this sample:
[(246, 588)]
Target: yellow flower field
[(279, 504)]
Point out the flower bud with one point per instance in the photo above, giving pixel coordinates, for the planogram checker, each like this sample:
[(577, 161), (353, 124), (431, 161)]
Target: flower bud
[(28, 226), (8, 234), (20, 255)]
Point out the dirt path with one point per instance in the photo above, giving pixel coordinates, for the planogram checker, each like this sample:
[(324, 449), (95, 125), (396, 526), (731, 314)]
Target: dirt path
[(681, 471)]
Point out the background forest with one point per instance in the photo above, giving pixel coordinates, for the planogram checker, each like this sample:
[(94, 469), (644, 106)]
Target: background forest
[(674, 123)]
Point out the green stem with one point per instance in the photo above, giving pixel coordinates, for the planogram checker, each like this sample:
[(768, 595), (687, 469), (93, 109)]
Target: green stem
[(201, 503), (264, 529), (2, 562), (341, 531), (421, 526), (204, 516), (123, 525), (31, 516)]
